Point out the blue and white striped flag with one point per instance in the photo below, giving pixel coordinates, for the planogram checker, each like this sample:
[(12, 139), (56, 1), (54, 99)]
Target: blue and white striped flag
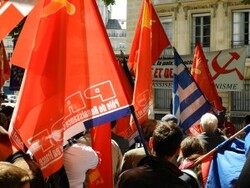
[(189, 103)]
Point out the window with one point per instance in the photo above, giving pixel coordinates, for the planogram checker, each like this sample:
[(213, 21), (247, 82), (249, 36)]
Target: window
[(9, 55), (122, 45), (162, 102), (201, 31), (241, 29), (167, 25), (10, 43), (241, 99), (124, 33), (162, 97), (240, 105)]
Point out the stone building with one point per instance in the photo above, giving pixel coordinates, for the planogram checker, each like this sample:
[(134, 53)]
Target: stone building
[(217, 24), (117, 34)]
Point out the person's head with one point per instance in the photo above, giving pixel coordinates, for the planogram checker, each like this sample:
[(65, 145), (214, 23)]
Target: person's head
[(148, 128), (221, 116), (12, 176), (169, 117), (8, 111), (190, 146), (9, 153), (246, 120), (4, 121), (2, 98), (209, 123), (166, 140)]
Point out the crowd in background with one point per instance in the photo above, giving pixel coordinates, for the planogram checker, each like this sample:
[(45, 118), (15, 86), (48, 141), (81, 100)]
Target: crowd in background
[(168, 158)]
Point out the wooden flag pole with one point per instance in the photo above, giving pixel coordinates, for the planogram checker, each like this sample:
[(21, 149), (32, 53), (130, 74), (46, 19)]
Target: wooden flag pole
[(246, 128)]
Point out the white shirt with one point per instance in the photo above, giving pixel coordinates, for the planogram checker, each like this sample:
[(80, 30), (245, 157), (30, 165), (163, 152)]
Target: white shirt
[(78, 159)]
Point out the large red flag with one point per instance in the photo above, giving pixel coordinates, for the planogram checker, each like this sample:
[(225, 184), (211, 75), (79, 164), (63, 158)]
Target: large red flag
[(101, 141), (149, 41), (67, 80), (203, 78), (12, 12), (5, 66)]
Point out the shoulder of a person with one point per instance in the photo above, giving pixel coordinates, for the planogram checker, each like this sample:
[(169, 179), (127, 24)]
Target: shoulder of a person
[(189, 177)]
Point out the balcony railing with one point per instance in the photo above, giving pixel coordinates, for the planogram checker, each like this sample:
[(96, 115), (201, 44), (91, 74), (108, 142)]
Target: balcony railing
[(237, 44)]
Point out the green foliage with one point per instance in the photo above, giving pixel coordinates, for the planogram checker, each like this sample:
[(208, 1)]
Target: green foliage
[(109, 2), (246, 1)]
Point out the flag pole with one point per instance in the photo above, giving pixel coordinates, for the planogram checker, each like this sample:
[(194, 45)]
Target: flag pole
[(132, 109), (244, 129), (186, 68), (126, 70)]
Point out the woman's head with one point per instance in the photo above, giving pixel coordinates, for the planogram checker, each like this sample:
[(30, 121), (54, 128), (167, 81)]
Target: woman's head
[(190, 146)]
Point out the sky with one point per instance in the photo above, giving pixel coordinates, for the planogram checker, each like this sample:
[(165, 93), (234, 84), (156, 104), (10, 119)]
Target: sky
[(119, 10)]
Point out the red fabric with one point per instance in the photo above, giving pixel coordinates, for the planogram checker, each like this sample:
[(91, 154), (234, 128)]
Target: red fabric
[(9, 19), (185, 164), (230, 127), (67, 79), (205, 166), (101, 142), (5, 66), (149, 41), (203, 78), (195, 130)]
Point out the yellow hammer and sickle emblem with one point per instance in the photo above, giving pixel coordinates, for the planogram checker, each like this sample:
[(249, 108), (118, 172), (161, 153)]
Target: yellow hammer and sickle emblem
[(56, 5), (147, 19)]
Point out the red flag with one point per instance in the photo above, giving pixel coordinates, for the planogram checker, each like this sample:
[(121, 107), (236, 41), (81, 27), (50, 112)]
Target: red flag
[(158, 40), (101, 142), (4, 63), (149, 41), (203, 78), (205, 166), (12, 12), (66, 81)]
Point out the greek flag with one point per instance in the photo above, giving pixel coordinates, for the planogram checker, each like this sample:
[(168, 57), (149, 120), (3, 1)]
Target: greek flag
[(189, 103)]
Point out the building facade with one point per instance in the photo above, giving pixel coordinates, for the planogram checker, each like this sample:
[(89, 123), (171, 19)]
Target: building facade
[(217, 24), (116, 30)]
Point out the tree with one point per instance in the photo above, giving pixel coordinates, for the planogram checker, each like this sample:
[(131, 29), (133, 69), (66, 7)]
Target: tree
[(109, 2), (246, 1)]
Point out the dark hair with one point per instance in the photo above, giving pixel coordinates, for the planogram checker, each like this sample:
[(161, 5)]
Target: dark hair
[(3, 96), (247, 119), (113, 124), (7, 110), (148, 128), (166, 139)]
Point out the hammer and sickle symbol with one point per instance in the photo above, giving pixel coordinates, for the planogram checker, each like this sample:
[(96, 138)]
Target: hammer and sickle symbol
[(222, 70), (56, 5)]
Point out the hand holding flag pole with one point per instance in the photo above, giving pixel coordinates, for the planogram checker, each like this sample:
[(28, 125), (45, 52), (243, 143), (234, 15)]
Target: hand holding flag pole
[(126, 70)]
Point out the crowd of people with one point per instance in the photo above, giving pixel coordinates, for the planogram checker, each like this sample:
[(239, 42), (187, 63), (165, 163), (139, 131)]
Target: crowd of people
[(168, 159)]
